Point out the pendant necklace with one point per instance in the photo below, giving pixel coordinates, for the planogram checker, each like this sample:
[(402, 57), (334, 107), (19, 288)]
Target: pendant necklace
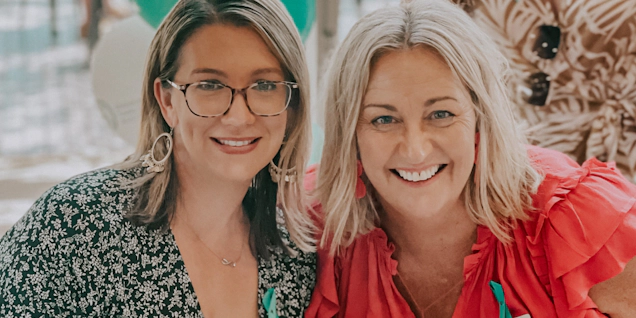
[(224, 261), (421, 311)]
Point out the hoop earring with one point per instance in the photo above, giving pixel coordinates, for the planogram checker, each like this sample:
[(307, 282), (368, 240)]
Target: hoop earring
[(149, 160), (277, 174)]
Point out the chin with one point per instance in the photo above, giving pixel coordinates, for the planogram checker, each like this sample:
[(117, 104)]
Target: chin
[(416, 209), (238, 173)]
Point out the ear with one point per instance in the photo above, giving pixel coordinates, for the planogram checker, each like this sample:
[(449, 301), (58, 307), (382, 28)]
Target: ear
[(164, 98)]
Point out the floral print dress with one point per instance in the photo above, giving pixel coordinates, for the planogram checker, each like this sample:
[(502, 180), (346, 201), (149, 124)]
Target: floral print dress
[(75, 255)]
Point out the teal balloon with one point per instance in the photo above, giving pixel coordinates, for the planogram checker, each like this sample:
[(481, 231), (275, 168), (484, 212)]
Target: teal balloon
[(304, 14), (154, 11), (302, 11)]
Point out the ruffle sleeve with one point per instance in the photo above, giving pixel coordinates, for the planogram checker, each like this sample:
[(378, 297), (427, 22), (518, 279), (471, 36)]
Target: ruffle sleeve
[(585, 232)]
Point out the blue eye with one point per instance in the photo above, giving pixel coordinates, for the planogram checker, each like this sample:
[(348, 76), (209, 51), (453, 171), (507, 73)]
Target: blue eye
[(265, 86), (383, 120), (441, 114)]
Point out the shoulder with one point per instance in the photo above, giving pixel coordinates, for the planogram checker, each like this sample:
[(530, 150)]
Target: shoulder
[(297, 257), (94, 189), (582, 186), (583, 224), (59, 230), (583, 199), (99, 194), (587, 186), (71, 214), (290, 276), (551, 162)]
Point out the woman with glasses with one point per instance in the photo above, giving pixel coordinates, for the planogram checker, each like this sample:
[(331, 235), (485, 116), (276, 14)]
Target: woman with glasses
[(207, 217), (431, 202), (573, 72)]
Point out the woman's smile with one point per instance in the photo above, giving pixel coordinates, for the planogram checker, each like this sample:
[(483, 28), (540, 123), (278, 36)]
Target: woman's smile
[(416, 133), (419, 176), (236, 146)]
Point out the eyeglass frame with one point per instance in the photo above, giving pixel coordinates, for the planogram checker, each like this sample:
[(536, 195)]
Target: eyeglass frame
[(242, 91)]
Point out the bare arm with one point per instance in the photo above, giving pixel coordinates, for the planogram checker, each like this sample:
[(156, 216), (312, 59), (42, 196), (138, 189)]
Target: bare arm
[(617, 295)]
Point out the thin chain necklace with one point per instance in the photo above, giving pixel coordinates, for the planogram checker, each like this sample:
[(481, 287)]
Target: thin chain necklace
[(436, 301), (224, 261)]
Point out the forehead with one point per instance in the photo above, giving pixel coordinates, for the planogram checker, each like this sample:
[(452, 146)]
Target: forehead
[(228, 48), (418, 71)]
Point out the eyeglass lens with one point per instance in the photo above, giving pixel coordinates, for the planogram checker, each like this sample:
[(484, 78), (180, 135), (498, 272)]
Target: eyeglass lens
[(211, 99)]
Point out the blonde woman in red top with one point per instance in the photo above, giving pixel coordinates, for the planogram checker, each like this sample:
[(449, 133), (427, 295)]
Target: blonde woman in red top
[(432, 204)]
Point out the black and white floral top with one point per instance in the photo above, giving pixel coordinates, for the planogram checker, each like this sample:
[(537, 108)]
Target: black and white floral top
[(74, 255)]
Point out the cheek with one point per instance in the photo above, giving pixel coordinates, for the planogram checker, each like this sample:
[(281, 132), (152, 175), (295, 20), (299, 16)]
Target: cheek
[(194, 127), (179, 103), (372, 152), (189, 123), (280, 125), (277, 128), (463, 153), (364, 148)]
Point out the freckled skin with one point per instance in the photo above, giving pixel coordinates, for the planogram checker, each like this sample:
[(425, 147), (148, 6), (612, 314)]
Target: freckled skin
[(416, 114)]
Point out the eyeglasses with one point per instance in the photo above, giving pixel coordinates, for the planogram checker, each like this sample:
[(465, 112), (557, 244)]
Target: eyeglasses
[(212, 99), (546, 47)]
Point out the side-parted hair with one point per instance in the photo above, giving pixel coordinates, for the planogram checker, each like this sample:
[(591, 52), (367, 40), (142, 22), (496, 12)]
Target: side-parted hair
[(157, 192), (499, 190)]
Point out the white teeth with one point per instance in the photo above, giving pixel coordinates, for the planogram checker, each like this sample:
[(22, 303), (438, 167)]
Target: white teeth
[(234, 143), (419, 176)]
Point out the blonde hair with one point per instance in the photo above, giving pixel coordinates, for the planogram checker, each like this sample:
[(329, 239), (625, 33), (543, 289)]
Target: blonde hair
[(505, 178), (157, 191)]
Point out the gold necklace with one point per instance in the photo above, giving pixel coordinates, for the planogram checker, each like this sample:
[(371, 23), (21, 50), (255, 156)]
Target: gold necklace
[(436, 301), (224, 261)]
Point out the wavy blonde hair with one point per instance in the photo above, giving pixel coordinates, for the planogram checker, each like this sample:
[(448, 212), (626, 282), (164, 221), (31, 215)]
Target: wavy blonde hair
[(156, 192), (505, 179)]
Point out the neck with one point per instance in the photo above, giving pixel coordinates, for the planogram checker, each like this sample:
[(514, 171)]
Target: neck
[(211, 207), (451, 233)]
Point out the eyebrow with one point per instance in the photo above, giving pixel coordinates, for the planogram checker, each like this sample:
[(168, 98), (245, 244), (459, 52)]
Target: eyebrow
[(209, 71), (439, 99), (257, 72), (385, 106), (428, 103), (262, 71)]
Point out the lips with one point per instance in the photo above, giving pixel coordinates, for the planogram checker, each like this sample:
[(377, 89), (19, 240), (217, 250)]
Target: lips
[(416, 176), (236, 146), (236, 142)]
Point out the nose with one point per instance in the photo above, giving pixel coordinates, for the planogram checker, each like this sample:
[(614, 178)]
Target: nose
[(415, 144), (238, 114)]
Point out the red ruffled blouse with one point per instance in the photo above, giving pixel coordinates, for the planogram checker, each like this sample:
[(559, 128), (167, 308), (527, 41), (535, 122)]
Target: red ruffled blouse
[(582, 233)]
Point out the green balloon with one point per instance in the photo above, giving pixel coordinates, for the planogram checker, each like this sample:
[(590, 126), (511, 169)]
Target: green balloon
[(302, 11), (153, 11), (304, 14)]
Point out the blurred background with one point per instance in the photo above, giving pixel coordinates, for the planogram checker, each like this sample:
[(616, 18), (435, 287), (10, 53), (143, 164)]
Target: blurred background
[(70, 83)]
